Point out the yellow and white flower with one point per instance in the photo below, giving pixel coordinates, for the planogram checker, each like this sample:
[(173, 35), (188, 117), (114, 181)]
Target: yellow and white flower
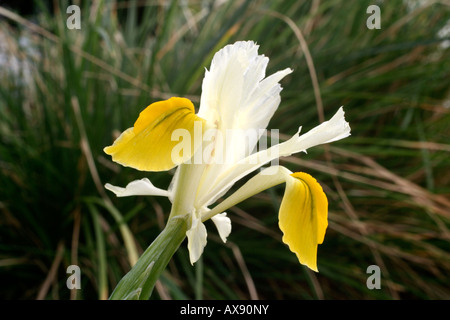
[(236, 97)]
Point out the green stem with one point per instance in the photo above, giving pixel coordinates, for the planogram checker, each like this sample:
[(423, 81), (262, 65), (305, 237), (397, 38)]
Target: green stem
[(138, 283), (199, 279)]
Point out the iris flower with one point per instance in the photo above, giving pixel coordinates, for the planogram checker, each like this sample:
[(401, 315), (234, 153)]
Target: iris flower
[(236, 97)]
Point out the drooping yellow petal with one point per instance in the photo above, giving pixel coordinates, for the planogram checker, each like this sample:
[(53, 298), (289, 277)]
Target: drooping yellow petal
[(303, 217), (150, 146)]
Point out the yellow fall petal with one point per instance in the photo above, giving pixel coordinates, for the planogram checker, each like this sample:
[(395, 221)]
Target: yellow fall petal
[(148, 145), (303, 217)]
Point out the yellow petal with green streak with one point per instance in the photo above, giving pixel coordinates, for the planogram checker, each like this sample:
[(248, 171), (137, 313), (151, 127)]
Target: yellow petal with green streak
[(148, 145), (303, 212), (303, 217)]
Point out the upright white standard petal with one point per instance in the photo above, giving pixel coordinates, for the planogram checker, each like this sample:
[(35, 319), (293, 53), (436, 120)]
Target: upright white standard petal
[(237, 98), (235, 94), (141, 187)]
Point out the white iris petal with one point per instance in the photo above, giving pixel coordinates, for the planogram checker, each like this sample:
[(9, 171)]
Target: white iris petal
[(196, 236), (236, 96), (141, 187), (223, 225)]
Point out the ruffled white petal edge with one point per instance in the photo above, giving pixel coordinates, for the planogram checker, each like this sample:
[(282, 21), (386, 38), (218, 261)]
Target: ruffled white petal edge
[(141, 187), (235, 92), (196, 236), (223, 225), (332, 130)]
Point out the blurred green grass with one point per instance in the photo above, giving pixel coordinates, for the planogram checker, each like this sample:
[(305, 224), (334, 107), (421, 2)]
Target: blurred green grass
[(66, 94)]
